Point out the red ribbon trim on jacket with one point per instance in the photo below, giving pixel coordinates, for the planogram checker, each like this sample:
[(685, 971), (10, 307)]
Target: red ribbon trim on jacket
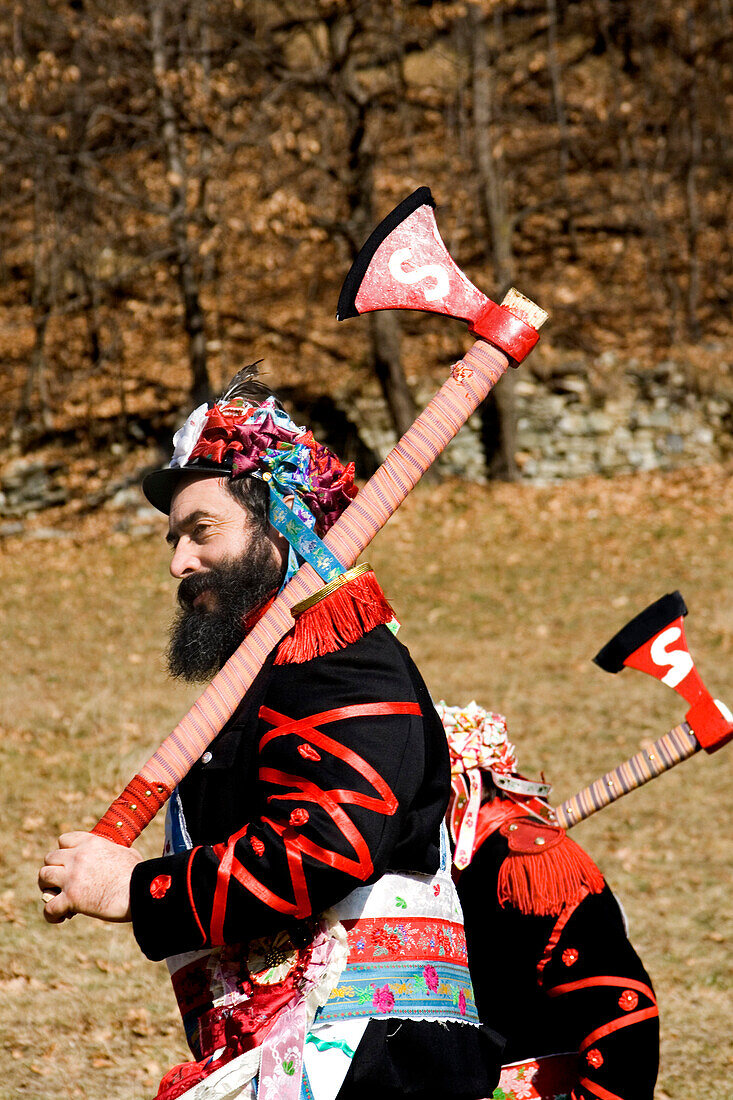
[(285, 725), (620, 1021), (190, 894), (331, 801), (617, 1024), (598, 1090), (603, 979), (560, 923), (614, 1025)]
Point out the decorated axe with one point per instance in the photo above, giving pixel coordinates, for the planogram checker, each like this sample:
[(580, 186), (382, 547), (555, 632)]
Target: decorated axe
[(403, 265), (654, 642)]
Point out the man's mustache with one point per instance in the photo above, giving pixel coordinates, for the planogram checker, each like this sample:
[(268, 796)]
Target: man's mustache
[(192, 587)]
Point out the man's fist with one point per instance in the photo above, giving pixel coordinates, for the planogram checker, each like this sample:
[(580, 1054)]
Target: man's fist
[(87, 874)]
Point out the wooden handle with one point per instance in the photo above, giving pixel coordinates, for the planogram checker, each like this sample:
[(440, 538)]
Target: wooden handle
[(470, 382), (677, 745)]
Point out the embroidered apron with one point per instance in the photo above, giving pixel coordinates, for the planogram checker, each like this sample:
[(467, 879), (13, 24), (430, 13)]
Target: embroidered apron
[(278, 1019)]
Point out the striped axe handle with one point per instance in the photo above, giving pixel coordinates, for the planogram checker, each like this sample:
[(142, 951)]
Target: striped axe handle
[(471, 380), (677, 745)]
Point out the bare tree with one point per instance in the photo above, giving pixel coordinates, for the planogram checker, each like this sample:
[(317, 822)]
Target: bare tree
[(353, 34), (499, 412), (178, 180)]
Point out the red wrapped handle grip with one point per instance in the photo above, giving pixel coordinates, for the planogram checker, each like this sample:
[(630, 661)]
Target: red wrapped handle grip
[(132, 811)]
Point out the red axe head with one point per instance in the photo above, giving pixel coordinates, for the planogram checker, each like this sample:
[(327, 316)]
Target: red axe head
[(655, 642), (405, 265)]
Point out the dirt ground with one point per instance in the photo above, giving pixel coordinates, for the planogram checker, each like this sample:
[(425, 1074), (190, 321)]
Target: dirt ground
[(504, 593)]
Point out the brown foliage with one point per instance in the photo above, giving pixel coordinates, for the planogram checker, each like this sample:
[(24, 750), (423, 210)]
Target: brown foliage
[(184, 185)]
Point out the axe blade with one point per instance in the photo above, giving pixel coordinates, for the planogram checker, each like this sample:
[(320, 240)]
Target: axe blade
[(654, 642), (405, 265)]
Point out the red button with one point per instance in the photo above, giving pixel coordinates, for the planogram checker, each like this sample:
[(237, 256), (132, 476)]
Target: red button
[(569, 956), (299, 817), (160, 886), (594, 1058), (628, 1000)]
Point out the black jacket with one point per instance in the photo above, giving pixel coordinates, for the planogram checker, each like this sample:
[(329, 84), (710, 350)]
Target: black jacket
[(285, 825), (554, 984)]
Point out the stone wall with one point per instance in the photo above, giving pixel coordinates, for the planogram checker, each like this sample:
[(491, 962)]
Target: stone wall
[(574, 424), (582, 420)]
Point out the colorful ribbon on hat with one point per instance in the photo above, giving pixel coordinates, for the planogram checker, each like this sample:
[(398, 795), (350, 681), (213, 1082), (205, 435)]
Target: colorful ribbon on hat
[(303, 541)]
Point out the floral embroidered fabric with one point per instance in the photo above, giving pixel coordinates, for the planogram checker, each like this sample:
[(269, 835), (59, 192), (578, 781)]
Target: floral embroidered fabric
[(407, 950), (551, 1078)]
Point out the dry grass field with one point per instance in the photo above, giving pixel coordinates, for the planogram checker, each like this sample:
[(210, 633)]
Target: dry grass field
[(504, 593)]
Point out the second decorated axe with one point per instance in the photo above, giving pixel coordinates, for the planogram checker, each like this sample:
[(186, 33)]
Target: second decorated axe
[(654, 642)]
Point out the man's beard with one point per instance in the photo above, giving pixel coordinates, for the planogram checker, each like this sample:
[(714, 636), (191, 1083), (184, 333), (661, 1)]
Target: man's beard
[(202, 638)]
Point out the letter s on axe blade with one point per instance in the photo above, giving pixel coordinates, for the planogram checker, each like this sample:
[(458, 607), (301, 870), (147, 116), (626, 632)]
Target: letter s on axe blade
[(406, 258)]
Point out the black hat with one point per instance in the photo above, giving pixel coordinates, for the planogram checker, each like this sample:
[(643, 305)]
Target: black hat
[(159, 485)]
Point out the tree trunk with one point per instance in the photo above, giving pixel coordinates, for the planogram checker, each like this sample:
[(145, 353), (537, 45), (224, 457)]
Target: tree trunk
[(42, 293), (499, 430), (492, 189), (188, 282), (384, 335), (691, 185), (553, 62), (384, 328), (498, 411)]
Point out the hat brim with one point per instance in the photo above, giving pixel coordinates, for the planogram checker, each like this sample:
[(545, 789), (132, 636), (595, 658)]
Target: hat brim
[(160, 485)]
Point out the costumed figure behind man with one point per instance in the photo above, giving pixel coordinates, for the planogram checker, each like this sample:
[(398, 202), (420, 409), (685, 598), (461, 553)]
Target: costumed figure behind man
[(550, 958), (304, 902)]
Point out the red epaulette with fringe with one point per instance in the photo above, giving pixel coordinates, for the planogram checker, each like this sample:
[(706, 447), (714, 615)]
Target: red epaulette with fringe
[(545, 871), (339, 614)]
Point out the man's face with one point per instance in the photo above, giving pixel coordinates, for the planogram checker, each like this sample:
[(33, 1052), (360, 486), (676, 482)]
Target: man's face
[(227, 564)]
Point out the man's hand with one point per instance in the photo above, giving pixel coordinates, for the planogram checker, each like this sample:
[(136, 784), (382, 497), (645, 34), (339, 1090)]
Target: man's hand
[(87, 874)]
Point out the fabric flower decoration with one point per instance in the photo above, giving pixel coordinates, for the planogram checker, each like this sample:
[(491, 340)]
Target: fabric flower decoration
[(187, 437), (270, 960), (477, 738), (160, 886), (431, 978), (264, 441)]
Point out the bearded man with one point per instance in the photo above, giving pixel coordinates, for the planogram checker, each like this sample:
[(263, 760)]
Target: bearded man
[(304, 901)]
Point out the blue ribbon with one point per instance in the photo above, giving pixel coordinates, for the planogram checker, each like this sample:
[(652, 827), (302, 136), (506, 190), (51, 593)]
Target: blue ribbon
[(302, 539)]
